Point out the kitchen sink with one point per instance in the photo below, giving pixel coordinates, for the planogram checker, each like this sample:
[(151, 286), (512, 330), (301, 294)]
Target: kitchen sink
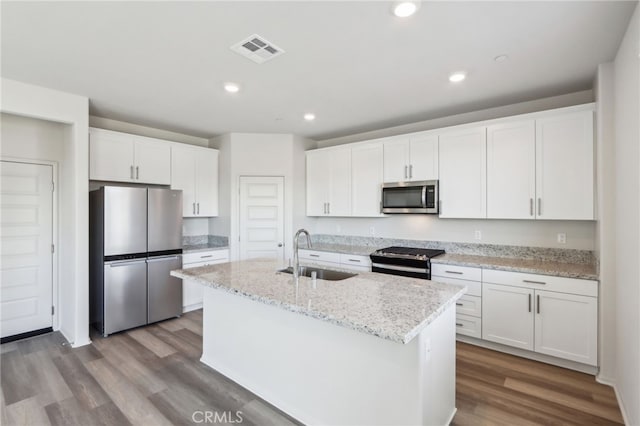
[(321, 274)]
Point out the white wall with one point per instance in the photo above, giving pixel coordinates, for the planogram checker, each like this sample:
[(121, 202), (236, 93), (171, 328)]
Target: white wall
[(560, 101), (627, 218), (254, 154), (135, 129), (46, 104), (30, 138)]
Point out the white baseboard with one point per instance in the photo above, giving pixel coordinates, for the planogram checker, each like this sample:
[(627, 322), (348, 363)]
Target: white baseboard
[(453, 414), (190, 308), (571, 365)]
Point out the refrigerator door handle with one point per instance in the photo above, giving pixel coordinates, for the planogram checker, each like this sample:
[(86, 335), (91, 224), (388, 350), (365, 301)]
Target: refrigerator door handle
[(116, 263), (163, 258)]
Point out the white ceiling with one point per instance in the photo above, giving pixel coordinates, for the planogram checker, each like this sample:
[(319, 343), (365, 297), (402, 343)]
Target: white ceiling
[(356, 66)]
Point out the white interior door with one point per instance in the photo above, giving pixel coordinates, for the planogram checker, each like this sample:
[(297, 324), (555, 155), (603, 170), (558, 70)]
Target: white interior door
[(26, 238), (261, 217)]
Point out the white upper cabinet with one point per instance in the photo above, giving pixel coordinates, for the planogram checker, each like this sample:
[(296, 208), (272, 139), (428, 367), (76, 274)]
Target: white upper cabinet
[(411, 158), (194, 170), (329, 182), (511, 170), (121, 157), (463, 178), (366, 179), (565, 166)]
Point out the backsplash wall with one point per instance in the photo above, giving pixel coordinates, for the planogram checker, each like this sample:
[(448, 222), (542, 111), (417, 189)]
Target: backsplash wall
[(580, 234)]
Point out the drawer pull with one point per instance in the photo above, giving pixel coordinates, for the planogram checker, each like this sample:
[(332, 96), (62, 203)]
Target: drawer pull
[(529, 303), (538, 303), (455, 272), (459, 304), (204, 257), (458, 324), (534, 282), (354, 260), (314, 255)]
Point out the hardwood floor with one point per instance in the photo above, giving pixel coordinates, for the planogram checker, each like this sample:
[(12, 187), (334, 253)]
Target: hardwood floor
[(152, 376)]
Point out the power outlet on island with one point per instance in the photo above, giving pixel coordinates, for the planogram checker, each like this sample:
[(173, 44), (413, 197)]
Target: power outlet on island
[(478, 235), (372, 231), (562, 238)]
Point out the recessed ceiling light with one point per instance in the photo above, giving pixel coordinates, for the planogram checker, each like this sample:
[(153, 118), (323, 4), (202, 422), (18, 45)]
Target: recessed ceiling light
[(501, 58), (457, 77), (309, 116), (404, 9), (231, 87)]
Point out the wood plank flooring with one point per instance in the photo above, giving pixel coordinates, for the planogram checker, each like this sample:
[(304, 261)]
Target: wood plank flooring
[(153, 376)]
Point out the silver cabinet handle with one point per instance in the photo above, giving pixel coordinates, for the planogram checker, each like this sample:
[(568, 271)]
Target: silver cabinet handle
[(534, 282), (354, 260), (194, 208), (314, 255), (458, 324), (529, 302), (406, 173), (329, 208), (539, 206), (459, 304), (324, 208), (131, 172), (137, 172), (455, 272), (204, 257), (538, 303), (198, 204), (410, 171), (530, 206)]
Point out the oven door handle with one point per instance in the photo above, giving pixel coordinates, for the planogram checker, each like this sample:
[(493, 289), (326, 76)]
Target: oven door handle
[(424, 196), (400, 268)]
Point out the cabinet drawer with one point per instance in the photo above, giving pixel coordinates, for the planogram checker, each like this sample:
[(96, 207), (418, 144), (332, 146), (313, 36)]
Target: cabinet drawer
[(319, 256), (542, 282), (205, 257), (460, 272), (469, 326), (355, 260), (474, 288), (469, 305)]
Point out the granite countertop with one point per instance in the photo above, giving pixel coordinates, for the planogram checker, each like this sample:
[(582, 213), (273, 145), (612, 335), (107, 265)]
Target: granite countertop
[(585, 271), (195, 248), (388, 306)]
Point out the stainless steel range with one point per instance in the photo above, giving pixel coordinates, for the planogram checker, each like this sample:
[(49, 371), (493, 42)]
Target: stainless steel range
[(406, 261)]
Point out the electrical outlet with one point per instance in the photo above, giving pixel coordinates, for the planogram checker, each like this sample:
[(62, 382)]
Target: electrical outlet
[(562, 238), (478, 235), (427, 349), (372, 231), (338, 229)]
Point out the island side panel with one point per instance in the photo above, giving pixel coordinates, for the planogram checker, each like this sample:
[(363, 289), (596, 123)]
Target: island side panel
[(318, 372)]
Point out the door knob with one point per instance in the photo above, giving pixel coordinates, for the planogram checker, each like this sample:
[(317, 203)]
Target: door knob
[(279, 244)]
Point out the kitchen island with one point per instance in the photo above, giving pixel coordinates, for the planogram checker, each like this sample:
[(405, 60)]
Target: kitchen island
[(372, 349)]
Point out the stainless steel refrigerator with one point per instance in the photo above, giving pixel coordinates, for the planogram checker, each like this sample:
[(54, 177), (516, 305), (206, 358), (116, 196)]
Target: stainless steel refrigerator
[(135, 239)]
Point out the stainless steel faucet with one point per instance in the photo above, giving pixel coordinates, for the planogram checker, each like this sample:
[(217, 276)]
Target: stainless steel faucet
[(296, 261)]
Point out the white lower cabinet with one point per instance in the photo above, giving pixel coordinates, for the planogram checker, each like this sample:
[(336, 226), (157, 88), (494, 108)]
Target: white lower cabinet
[(192, 292), (354, 262), (549, 315), (469, 306)]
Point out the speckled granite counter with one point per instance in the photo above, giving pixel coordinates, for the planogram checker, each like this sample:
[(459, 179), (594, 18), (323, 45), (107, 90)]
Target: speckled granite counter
[(585, 271), (195, 248), (388, 306)]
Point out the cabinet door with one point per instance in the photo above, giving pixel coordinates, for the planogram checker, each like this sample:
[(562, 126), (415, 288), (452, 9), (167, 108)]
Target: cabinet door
[(396, 160), (566, 326), (463, 179), (152, 161), (206, 182), (183, 175), (507, 315), (340, 188), (564, 166), (111, 156), (318, 183), (423, 164), (366, 179), (511, 170)]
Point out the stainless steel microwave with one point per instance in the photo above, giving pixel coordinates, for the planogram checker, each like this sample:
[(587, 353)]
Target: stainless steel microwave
[(410, 197)]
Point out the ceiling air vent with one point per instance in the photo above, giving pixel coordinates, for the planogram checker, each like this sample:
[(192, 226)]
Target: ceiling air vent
[(257, 48)]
